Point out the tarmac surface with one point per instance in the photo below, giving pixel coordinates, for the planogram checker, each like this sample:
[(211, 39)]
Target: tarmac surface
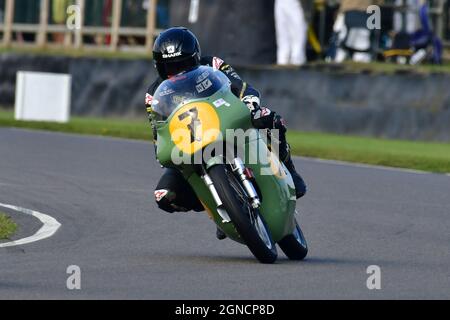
[(101, 191)]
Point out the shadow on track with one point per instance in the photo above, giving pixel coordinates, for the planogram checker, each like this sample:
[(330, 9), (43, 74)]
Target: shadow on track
[(282, 260)]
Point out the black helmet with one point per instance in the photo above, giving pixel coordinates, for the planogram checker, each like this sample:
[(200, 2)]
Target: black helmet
[(176, 50)]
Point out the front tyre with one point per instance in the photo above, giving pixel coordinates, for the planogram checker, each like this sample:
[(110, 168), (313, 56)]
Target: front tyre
[(249, 223), (294, 245)]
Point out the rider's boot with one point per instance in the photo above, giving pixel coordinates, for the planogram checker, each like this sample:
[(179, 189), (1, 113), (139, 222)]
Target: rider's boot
[(300, 186), (285, 157), (220, 234)]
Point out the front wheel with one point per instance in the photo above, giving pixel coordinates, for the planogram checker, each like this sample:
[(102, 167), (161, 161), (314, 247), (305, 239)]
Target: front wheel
[(294, 245), (249, 223)]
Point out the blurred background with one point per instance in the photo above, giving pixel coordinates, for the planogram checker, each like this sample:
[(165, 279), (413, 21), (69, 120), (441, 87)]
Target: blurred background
[(342, 67), (243, 31)]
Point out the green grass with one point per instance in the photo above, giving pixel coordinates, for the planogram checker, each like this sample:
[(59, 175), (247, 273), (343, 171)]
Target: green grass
[(383, 67), (379, 68), (428, 156), (113, 127), (7, 227), (419, 155)]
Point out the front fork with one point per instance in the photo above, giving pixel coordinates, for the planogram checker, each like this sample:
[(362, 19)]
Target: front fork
[(243, 174), (220, 208)]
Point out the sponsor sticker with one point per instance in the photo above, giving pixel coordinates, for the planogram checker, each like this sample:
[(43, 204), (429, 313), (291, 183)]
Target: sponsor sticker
[(171, 49), (221, 102), (166, 92), (202, 77), (171, 53), (205, 85)]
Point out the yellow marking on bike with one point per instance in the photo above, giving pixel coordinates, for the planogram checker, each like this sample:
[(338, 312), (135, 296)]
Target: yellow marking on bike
[(275, 166), (244, 87), (194, 126), (208, 210)]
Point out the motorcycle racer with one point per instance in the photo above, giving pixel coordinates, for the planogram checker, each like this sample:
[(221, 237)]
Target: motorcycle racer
[(175, 51)]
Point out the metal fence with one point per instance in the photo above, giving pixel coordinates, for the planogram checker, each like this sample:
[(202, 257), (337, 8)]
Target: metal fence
[(116, 25)]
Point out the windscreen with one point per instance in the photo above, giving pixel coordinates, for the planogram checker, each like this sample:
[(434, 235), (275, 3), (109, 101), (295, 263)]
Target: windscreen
[(199, 83)]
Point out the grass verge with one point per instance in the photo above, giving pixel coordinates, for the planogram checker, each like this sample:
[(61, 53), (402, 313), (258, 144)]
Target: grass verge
[(391, 68), (111, 127), (352, 67), (427, 156), (7, 227)]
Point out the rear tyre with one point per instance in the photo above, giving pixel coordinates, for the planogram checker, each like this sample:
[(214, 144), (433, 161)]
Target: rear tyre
[(294, 245), (249, 223)]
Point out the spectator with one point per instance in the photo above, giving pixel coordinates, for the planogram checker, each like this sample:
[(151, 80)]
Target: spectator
[(162, 12), (26, 12), (291, 30), (420, 46), (98, 13), (93, 17), (107, 17), (352, 37), (407, 21), (93, 13), (133, 15), (59, 16)]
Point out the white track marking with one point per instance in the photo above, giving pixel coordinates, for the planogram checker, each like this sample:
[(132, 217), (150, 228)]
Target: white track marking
[(51, 225)]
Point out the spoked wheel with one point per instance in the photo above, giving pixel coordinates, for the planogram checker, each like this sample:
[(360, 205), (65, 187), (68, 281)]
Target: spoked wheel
[(294, 245), (249, 223)]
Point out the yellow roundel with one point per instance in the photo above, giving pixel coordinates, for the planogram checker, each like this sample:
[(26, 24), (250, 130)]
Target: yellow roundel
[(194, 126)]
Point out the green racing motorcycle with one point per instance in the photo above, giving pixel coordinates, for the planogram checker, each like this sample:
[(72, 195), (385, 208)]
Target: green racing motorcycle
[(204, 131)]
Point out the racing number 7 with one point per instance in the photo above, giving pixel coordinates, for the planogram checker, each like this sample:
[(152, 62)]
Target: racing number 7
[(194, 124)]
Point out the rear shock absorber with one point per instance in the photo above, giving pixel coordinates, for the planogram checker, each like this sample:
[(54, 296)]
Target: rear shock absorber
[(244, 175)]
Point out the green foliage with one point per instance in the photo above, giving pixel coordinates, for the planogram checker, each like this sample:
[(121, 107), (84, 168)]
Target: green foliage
[(7, 227)]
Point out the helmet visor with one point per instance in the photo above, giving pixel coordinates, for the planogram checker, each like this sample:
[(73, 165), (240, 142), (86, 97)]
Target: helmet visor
[(169, 68)]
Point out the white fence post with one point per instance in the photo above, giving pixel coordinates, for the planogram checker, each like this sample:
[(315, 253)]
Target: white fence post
[(151, 25), (79, 32), (9, 17), (115, 28), (43, 23)]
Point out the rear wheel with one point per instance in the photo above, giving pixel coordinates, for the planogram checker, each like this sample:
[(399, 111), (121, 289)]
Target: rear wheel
[(294, 245), (249, 223)]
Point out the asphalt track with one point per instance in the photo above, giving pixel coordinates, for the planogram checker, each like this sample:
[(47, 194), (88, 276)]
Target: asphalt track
[(100, 190)]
